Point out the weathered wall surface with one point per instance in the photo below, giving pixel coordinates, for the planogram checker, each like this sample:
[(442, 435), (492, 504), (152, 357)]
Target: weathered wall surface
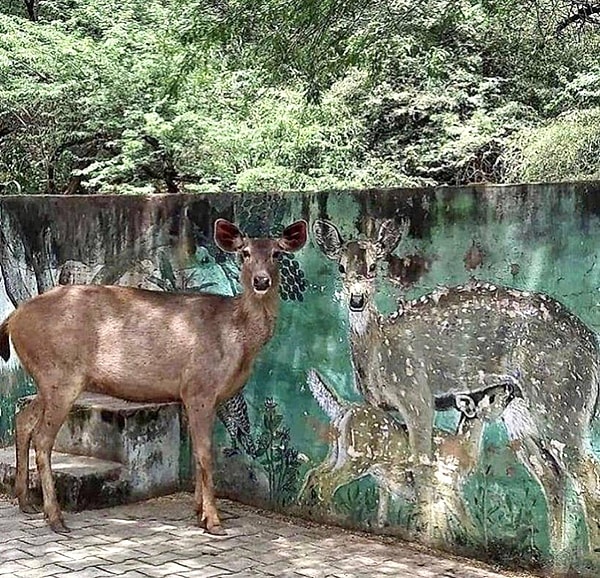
[(336, 421)]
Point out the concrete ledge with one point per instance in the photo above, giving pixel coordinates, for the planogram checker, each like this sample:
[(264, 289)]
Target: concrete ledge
[(142, 438), (82, 482)]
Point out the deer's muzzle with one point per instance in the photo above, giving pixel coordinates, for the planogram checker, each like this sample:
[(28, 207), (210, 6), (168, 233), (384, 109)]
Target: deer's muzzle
[(261, 283), (357, 301)]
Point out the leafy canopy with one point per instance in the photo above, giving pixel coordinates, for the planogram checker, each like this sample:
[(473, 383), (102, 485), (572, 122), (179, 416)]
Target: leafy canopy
[(165, 95)]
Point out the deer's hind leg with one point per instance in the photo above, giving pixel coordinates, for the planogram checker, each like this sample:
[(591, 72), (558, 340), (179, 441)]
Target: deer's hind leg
[(585, 469), (58, 398), (26, 420), (553, 478)]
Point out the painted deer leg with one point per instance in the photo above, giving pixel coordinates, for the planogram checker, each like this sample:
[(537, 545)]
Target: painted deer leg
[(313, 488), (586, 470), (420, 435), (546, 466), (26, 421), (383, 506), (456, 456), (324, 482), (552, 478), (201, 415)]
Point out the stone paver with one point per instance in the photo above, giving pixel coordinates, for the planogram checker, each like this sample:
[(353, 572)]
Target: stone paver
[(158, 538)]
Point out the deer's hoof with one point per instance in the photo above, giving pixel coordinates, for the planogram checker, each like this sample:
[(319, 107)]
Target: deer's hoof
[(59, 527), (217, 530)]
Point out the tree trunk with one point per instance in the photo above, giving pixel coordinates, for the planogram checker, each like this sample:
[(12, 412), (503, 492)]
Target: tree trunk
[(32, 7)]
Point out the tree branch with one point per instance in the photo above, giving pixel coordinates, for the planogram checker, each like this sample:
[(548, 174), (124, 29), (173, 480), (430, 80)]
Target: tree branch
[(168, 171), (581, 15), (74, 181)]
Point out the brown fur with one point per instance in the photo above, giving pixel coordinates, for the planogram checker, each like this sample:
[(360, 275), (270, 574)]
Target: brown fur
[(144, 346)]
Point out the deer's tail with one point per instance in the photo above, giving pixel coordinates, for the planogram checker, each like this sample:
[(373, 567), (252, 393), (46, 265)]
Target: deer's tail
[(4, 343), (327, 399)]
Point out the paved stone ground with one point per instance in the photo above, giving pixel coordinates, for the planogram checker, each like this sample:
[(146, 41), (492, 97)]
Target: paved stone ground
[(158, 538)]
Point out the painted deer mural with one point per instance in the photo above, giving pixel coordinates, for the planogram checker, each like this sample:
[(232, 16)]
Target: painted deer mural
[(367, 441), (449, 341)]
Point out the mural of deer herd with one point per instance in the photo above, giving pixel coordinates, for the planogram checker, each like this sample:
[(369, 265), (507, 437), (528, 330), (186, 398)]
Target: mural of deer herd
[(491, 353), (442, 380)]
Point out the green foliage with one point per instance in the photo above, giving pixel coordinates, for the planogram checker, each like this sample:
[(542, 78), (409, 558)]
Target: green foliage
[(278, 458), (70, 98), (167, 96), (508, 510), (563, 149), (358, 502)]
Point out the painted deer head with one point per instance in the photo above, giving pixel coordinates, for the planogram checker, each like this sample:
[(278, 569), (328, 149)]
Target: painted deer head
[(358, 259)]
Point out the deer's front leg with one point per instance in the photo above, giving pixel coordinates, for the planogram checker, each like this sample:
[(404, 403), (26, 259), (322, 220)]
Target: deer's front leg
[(420, 434), (201, 416), (416, 406)]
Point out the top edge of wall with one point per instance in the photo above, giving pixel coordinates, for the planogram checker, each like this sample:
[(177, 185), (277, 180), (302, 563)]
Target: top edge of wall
[(592, 184)]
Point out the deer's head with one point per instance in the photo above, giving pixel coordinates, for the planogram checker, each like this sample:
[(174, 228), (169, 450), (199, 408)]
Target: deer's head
[(358, 260), (260, 257), (488, 404)]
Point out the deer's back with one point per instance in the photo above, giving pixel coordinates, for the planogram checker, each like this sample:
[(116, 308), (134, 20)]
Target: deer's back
[(128, 342), (453, 335)]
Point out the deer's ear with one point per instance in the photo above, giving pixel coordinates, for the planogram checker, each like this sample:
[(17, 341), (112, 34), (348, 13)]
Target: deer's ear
[(328, 238), (390, 234), (294, 237), (466, 405), (228, 237)]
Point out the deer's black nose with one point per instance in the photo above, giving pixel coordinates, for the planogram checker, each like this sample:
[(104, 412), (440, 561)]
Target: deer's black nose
[(357, 302), (261, 282)]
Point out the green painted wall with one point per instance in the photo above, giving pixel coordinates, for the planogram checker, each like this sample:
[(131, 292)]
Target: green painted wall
[(278, 444)]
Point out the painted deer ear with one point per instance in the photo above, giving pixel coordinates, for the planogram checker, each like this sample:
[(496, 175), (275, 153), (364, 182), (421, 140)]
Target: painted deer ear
[(228, 237), (390, 234), (294, 237), (466, 405), (328, 238)]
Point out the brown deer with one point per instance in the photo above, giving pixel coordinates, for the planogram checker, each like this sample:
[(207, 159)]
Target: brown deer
[(447, 340), (144, 345)]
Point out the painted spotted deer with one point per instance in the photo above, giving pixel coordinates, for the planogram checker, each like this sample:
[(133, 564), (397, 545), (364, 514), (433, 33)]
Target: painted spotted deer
[(366, 441), (144, 345), (448, 341)]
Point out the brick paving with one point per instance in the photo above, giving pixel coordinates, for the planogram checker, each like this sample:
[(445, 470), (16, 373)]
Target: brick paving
[(158, 538)]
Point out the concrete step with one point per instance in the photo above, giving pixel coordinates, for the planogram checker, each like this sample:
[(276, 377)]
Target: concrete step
[(81, 482), (144, 438)]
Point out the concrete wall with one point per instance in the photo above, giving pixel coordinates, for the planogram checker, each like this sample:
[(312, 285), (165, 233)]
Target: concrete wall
[(455, 406)]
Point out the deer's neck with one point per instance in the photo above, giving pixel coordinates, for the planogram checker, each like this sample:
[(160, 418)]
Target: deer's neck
[(363, 323), (365, 340), (256, 316)]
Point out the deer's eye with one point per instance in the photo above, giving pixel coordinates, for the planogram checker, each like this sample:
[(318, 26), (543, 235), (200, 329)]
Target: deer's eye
[(372, 267), (341, 268), (245, 253), (276, 254)]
